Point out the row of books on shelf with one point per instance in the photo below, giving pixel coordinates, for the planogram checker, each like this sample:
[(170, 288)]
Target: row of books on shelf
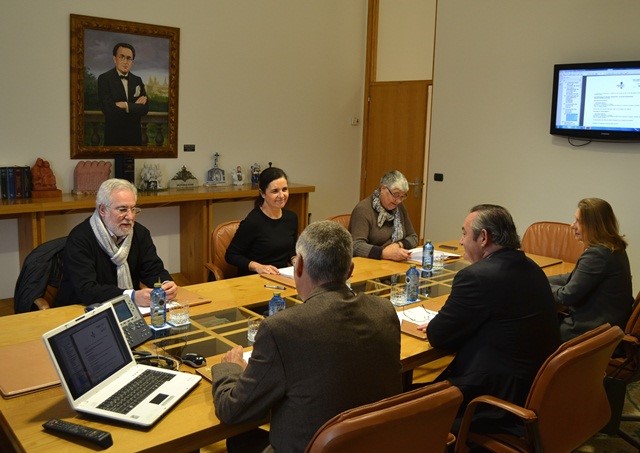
[(15, 182)]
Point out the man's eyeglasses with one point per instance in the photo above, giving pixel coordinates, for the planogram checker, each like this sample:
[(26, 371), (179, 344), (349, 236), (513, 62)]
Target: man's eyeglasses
[(397, 196), (125, 58), (123, 210)]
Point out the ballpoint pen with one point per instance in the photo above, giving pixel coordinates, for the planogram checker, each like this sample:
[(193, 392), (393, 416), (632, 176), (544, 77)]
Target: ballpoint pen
[(275, 287)]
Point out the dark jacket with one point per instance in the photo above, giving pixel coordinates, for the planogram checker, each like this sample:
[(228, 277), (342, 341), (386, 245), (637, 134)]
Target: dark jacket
[(89, 275), (500, 320)]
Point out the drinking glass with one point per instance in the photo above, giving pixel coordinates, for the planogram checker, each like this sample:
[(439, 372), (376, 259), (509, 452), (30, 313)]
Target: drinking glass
[(179, 314), (252, 330), (398, 295)]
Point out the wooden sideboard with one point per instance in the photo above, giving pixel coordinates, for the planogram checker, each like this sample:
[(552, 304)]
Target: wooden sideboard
[(196, 217)]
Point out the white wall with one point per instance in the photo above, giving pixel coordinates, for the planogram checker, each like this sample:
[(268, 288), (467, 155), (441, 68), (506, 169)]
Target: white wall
[(405, 40), (491, 108), (259, 81)]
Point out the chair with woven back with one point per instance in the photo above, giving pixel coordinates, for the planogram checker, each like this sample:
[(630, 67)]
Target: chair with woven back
[(220, 239), (404, 422), (552, 239), (342, 219), (624, 369), (568, 388)]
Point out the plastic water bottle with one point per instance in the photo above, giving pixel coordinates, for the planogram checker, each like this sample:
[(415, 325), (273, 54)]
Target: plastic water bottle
[(276, 304), (411, 281), (427, 256), (158, 309)]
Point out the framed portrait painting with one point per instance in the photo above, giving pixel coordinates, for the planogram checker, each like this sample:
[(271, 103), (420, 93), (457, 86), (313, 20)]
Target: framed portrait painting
[(124, 89)]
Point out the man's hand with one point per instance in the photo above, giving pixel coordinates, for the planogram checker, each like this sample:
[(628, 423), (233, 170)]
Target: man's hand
[(235, 356), (121, 105), (142, 297), (171, 289), (141, 100)]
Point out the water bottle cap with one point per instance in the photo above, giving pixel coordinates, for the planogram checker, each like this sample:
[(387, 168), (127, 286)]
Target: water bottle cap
[(157, 285), (276, 294)]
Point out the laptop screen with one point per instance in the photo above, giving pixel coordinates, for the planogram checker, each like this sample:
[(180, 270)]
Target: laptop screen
[(90, 352)]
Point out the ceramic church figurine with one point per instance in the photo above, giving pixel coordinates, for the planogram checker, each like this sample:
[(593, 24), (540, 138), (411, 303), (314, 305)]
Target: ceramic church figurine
[(215, 176)]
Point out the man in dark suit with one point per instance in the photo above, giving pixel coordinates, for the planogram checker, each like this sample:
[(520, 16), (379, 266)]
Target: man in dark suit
[(123, 99), (336, 351), (500, 318)]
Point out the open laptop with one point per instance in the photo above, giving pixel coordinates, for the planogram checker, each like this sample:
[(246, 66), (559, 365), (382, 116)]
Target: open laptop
[(95, 365)]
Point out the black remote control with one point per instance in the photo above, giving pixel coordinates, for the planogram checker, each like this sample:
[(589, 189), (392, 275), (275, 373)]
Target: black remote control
[(96, 436)]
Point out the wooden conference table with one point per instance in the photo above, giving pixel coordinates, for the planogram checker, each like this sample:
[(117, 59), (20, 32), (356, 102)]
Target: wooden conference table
[(216, 327)]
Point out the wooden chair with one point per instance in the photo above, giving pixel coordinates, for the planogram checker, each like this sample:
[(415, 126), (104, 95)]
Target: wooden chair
[(621, 372), (220, 239), (553, 239), (404, 422), (567, 389), (342, 219)]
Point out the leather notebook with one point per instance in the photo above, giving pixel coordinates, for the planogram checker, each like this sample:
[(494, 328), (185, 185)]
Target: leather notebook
[(26, 368)]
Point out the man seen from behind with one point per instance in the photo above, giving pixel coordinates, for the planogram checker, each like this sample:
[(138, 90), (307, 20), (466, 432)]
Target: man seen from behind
[(500, 319), (335, 351)]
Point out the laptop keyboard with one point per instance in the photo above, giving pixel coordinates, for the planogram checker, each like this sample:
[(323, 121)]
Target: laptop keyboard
[(135, 391)]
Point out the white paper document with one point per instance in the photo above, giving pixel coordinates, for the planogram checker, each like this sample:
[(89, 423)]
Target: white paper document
[(147, 310), (286, 271), (416, 255), (416, 315)]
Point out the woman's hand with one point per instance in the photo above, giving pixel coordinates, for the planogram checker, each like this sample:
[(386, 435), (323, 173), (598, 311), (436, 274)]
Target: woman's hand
[(263, 268), (395, 253)]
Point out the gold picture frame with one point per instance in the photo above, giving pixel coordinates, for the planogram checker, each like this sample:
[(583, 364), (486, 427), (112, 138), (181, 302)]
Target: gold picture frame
[(93, 41)]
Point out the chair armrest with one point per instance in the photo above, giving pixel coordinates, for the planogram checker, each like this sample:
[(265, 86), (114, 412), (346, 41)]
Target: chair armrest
[(526, 415), (215, 270), (631, 340)]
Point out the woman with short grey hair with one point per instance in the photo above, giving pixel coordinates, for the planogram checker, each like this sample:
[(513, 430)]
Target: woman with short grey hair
[(380, 224)]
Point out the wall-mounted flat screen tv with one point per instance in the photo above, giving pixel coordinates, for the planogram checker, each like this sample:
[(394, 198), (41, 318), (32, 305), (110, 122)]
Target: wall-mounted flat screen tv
[(597, 101)]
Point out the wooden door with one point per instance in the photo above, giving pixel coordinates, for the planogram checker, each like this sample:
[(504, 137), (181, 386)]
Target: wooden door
[(395, 139)]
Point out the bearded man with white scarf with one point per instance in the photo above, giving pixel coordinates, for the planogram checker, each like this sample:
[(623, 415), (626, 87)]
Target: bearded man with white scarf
[(110, 254)]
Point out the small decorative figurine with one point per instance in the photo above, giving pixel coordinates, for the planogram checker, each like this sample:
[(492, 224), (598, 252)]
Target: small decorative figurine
[(184, 179), (255, 174), (238, 178), (151, 178), (43, 181), (215, 176)]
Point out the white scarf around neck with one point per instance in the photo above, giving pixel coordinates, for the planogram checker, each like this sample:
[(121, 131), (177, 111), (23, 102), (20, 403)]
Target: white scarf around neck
[(117, 254)]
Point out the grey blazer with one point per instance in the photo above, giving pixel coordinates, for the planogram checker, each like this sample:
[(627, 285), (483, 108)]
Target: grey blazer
[(310, 362), (596, 292)]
